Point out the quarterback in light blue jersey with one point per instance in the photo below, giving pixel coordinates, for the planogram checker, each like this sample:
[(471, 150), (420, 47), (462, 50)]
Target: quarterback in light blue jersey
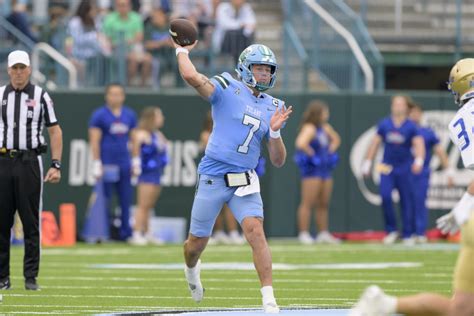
[(243, 117)]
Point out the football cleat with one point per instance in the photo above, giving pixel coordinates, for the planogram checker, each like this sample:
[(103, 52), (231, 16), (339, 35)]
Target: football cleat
[(270, 307), (373, 302), (193, 276)]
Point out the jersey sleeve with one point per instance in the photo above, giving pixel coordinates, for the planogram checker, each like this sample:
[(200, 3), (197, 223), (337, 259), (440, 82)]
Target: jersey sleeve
[(49, 114), (96, 120), (220, 82), (133, 119), (381, 129)]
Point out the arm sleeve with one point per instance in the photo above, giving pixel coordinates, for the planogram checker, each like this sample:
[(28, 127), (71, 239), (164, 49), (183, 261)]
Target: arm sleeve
[(50, 118)]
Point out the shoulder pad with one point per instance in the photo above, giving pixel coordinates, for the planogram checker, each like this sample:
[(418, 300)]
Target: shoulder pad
[(223, 81)]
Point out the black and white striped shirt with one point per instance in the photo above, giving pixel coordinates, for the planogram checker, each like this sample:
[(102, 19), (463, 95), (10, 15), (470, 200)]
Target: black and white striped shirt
[(23, 114)]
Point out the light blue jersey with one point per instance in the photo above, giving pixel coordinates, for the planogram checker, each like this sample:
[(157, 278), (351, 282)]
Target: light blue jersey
[(240, 122)]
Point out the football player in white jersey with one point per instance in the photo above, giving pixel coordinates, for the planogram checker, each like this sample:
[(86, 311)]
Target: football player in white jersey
[(244, 116), (374, 302)]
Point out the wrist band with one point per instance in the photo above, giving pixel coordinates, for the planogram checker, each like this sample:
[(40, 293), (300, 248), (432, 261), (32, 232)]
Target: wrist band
[(136, 162), (181, 50), (419, 161), (275, 134)]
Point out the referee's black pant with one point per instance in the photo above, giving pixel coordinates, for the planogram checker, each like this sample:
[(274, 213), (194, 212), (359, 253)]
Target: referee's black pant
[(20, 190)]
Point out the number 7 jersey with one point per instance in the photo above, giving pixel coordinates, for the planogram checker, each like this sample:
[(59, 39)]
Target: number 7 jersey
[(461, 131), (240, 122)]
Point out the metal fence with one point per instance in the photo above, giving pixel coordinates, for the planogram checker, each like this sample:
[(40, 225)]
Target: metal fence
[(327, 51)]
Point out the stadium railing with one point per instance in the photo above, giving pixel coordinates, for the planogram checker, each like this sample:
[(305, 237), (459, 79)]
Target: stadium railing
[(342, 63), (46, 60)]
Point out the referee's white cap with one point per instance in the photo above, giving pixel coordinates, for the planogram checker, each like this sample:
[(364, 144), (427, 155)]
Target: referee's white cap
[(18, 57)]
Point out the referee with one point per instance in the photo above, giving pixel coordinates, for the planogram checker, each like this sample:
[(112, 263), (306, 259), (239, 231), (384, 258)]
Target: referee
[(24, 111)]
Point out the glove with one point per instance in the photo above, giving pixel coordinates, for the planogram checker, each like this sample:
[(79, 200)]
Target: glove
[(97, 170), (460, 214), (447, 224)]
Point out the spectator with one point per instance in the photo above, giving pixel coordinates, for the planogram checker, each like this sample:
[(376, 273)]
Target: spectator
[(124, 28), (235, 27), (149, 160), (316, 158), (53, 31), (15, 13), (85, 43), (109, 129), (200, 12), (158, 44)]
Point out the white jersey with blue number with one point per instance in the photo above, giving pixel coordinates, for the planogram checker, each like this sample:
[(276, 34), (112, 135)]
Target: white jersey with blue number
[(461, 131), (240, 122)]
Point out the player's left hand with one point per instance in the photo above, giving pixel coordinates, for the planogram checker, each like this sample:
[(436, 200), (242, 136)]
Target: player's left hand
[(280, 116), (53, 175), (447, 224)]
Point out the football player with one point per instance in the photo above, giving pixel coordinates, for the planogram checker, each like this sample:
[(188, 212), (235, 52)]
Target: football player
[(374, 302), (243, 115)]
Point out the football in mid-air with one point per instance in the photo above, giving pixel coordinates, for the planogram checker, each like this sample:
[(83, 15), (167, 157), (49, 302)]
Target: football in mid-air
[(183, 32)]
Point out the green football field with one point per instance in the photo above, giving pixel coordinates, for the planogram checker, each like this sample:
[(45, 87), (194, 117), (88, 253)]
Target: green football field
[(113, 278)]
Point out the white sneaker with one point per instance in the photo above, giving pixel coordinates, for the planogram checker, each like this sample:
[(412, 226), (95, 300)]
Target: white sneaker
[(221, 238), (193, 276), (410, 241), (325, 237), (391, 238), (374, 302), (305, 238), (154, 240), (137, 239), (421, 239), (271, 307), (212, 241), (235, 238)]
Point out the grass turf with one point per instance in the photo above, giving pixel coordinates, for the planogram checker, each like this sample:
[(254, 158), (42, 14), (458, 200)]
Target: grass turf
[(72, 285)]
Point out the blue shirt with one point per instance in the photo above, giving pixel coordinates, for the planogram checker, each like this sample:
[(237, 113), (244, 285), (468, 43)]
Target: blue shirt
[(115, 134), (240, 122), (397, 141), (430, 140)]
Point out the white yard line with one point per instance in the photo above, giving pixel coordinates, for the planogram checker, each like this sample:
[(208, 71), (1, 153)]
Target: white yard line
[(158, 297)]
